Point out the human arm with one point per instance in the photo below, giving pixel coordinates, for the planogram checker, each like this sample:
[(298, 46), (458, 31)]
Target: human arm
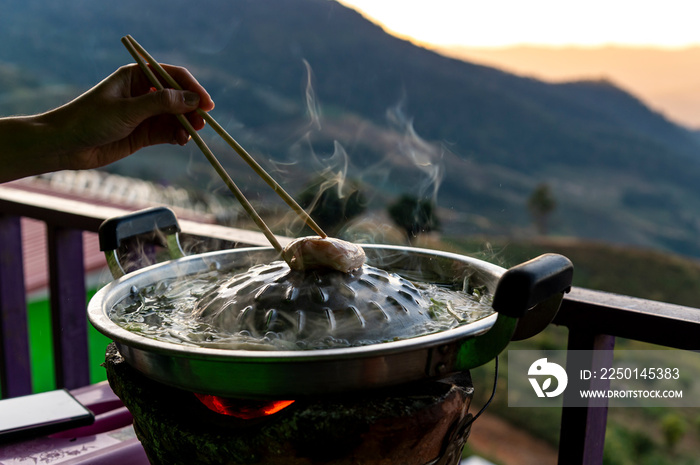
[(114, 119)]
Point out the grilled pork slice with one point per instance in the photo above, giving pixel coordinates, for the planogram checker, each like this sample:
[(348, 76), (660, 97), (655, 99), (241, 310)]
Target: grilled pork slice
[(314, 252)]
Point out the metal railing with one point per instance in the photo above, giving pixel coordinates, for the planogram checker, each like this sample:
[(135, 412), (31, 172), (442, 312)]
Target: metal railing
[(593, 318)]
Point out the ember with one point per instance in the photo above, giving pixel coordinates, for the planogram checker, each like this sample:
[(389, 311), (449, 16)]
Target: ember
[(412, 424), (243, 409)]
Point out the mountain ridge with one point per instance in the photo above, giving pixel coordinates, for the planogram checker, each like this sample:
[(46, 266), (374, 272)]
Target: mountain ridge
[(664, 78), (620, 171)]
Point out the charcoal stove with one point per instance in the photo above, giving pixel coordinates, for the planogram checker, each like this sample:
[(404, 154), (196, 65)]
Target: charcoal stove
[(404, 400), (416, 424)]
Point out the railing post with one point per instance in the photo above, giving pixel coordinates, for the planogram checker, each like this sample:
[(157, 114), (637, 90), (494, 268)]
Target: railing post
[(15, 372), (582, 437), (68, 306)]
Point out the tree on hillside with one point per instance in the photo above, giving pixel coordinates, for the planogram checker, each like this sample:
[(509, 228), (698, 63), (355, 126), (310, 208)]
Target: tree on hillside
[(414, 215), (673, 427), (332, 205), (541, 205)]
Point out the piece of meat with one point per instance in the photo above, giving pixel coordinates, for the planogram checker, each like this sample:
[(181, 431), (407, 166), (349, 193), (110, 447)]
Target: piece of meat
[(314, 252)]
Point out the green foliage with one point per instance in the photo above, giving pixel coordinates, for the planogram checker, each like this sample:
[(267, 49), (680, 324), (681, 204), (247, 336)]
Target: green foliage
[(616, 451), (413, 215), (541, 204), (624, 446), (673, 427), (696, 424), (331, 203)]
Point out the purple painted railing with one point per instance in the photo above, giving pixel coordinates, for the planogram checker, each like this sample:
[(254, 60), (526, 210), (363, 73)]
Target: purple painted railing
[(15, 378), (65, 220), (593, 318)]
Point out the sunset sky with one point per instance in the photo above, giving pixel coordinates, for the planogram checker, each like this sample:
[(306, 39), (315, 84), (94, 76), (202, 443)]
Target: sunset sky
[(498, 23), (648, 48)]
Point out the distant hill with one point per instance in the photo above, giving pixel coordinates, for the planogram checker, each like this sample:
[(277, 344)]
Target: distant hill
[(668, 79), (400, 118), (622, 270), (631, 271)]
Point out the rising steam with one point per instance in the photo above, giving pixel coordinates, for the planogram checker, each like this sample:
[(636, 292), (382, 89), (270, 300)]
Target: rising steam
[(425, 156), (312, 107), (371, 164)]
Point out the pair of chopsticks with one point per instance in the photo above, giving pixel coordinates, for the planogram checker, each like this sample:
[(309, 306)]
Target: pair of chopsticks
[(140, 54)]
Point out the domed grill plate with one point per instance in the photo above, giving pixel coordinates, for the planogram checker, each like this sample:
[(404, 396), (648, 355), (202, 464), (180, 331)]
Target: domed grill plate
[(367, 305)]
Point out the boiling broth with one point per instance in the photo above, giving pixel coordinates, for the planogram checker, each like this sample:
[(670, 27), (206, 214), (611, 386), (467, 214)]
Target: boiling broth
[(165, 312)]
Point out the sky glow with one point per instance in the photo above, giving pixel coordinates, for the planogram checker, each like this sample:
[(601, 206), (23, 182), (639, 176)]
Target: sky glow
[(501, 23)]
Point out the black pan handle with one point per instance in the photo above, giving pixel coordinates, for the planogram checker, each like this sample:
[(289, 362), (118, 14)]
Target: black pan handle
[(527, 298), (156, 225), (533, 282), (115, 230)]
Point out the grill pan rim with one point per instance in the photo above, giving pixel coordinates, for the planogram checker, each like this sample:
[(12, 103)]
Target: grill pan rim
[(248, 374), (110, 294)]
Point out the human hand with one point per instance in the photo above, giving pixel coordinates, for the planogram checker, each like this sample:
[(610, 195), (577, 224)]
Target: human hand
[(123, 114)]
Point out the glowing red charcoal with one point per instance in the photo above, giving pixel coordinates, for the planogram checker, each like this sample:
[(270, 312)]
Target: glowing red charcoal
[(243, 409)]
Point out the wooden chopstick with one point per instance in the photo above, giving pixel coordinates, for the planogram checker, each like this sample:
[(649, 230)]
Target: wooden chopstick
[(208, 153), (259, 170)]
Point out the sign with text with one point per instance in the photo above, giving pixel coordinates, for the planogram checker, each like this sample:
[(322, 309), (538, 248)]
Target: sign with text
[(600, 378)]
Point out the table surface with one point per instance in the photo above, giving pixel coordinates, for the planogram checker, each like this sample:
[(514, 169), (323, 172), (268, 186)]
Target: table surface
[(109, 440)]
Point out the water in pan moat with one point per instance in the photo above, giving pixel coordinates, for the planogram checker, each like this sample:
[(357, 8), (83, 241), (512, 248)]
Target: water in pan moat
[(270, 307)]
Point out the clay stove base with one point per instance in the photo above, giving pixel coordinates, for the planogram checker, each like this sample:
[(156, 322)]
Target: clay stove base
[(418, 424)]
